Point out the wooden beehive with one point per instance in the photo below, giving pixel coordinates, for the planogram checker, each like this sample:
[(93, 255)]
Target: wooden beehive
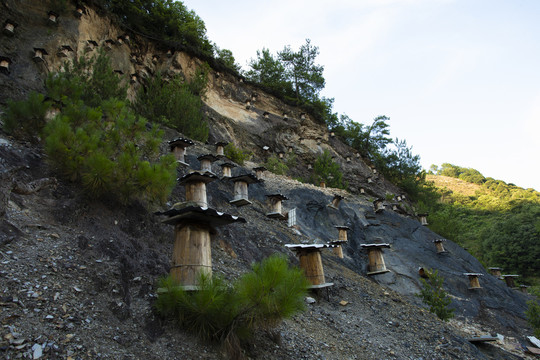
[(248, 104), (80, 10), (266, 114), (109, 43), (310, 259), (52, 17), (192, 249), (375, 258), (285, 116), (191, 253), (335, 201), (369, 180), (39, 54), (206, 162), (241, 183), (259, 172), (509, 280), (439, 245), (91, 45), (195, 184), (496, 271), (348, 158), (275, 203), (9, 27), (5, 62), (227, 169), (473, 280), (64, 51), (423, 219), (178, 148), (220, 148), (302, 116), (523, 289), (378, 205), (323, 184)]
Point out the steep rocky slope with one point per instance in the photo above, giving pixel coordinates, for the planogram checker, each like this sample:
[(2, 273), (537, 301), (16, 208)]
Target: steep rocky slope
[(78, 278)]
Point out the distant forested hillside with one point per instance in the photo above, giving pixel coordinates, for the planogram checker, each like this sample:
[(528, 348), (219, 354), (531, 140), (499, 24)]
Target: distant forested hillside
[(499, 223)]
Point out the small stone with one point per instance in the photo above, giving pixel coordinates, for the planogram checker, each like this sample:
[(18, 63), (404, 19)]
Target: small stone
[(77, 289), (38, 351), (310, 300), (343, 302)]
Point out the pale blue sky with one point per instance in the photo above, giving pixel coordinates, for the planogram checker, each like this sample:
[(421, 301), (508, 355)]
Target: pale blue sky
[(459, 79)]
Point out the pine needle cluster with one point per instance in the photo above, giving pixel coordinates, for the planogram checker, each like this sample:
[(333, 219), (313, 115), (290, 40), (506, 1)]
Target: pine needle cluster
[(433, 294), (230, 313)]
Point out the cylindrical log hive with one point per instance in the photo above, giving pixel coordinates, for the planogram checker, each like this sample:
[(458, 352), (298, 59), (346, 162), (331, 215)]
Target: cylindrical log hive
[(196, 192), (376, 260), (342, 234), (474, 283), (206, 165), (338, 251), (440, 247), (191, 253), (179, 153), (240, 190), (311, 263), (227, 171), (276, 205)]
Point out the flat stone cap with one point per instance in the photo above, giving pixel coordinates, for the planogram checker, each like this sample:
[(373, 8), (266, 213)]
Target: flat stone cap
[(248, 178), (198, 214), (277, 196), (210, 157), (228, 164), (337, 242), (375, 245), (222, 143), (337, 196), (42, 50), (509, 276), (260, 168), (180, 142), (308, 247), (342, 227), (424, 214), (495, 268), (440, 240), (378, 200), (95, 44), (197, 176), (67, 47), (473, 274)]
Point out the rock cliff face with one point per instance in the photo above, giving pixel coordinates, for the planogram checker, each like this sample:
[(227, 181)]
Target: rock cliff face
[(77, 278)]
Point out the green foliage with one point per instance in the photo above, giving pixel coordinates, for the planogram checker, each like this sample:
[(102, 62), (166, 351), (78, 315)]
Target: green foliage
[(236, 154), (276, 166), (466, 174), (260, 299), (301, 70), (499, 225), (325, 169), (89, 80), (26, 118), (533, 313), (167, 20), (226, 57), (268, 71), (110, 152), (174, 104), (433, 294)]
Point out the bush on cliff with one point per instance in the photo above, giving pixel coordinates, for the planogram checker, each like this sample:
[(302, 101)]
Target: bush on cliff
[(433, 294), (230, 313), (174, 104)]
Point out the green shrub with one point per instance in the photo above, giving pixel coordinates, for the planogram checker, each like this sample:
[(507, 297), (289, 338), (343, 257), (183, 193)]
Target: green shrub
[(174, 104), (533, 313), (325, 169), (90, 80), (236, 154), (276, 166), (230, 314), (26, 118), (110, 152), (433, 294)]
